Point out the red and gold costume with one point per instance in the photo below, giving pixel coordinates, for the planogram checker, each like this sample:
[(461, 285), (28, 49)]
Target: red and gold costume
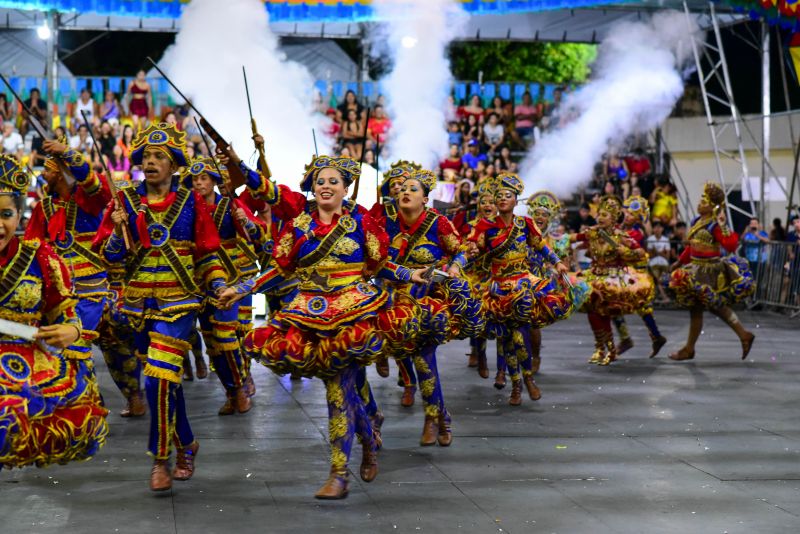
[(50, 410), (616, 287), (337, 320), (705, 279)]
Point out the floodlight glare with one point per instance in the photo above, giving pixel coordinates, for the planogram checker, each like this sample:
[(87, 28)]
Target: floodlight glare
[(409, 41), (43, 31)]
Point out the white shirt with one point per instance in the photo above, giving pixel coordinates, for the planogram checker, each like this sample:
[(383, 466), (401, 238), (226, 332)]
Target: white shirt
[(75, 141), (658, 244), (13, 143), (494, 134), (88, 107)]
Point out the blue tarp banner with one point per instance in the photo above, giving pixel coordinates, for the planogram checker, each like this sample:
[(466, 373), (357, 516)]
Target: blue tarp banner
[(294, 11)]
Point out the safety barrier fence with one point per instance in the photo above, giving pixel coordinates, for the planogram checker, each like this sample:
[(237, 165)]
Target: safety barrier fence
[(777, 274)]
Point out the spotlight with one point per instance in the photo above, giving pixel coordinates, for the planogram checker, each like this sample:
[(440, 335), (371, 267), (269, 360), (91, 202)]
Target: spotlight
[(43, 31)]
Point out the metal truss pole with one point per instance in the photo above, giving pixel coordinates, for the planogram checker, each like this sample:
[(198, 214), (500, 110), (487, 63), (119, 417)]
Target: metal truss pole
[(718, 70)]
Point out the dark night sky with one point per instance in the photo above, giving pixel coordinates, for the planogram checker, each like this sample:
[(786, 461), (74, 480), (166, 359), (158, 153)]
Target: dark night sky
[(123, 53)]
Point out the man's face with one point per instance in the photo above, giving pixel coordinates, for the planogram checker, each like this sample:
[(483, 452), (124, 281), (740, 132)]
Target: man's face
[(8, 128), (203, 184), (754, 225), (658, 230), (158, 167)]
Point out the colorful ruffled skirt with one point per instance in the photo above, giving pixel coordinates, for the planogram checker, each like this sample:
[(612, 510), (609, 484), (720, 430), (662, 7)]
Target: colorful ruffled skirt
[(712, 283), (50, 411), (617, 291), (319, 333), (527, 300)]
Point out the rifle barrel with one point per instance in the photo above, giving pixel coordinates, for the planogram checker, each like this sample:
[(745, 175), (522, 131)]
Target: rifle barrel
[(247, 92), (161, 72)]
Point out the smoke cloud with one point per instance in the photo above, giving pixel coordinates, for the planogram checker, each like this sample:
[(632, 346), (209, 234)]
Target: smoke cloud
[(206, 61), (415, 36), (636, 82)]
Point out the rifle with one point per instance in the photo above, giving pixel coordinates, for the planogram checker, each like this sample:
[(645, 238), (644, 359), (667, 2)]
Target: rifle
[(363, 146), (234, 172), (230, 193), (39, 128), (262, 158), (126, 232)]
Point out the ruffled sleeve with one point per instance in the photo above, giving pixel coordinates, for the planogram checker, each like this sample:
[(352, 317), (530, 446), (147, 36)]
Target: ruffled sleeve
[(58, 298), (376, 244)]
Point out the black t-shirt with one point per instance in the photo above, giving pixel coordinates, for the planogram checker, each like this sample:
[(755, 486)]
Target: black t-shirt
[(576, 222), (107, 144)]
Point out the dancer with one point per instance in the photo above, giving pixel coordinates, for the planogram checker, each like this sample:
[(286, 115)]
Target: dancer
[(478, 274), (68, 218), (544, 208), (333, 324), (175, 248), (386, 209), (617, 288), (219, 326), (703, 279), (516, 299), (635, 212), (50, 410), (423, 239)]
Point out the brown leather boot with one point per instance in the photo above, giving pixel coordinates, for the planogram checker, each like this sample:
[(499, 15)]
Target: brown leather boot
[(160, 479), (658, 342), (184, 462), (533, 390), (135, 406), (250, 385), (188, 375), (242, 401), (407, 400), (382, 366), (747, 344), (483, 367), (516, 393), (334, 488), (536, 364), (229, 408), (200, 365), (369, 464), (624, 345), (500, 379), (429, 431), (473, 358), (445, 437)]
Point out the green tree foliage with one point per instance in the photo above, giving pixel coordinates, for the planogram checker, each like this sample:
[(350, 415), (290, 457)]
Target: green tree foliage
[(516, 61)]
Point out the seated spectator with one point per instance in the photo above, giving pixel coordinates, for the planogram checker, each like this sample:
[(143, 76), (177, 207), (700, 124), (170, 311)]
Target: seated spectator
[(82, 141), (778, 232), (450, 110), (664, 202), (497, 108), (38, 108), (614, 168), (473, 109), (493, 133), (453, 160), (350, 102), (490, 171), (352, 134), (471, 130), (525, 117), (638, 163), (125, 140), (110, 109), (106, 139), (582, 219), (13, 143), (474, 156), (677, 241), (444, 194), (469, 174), (85, 105), (454, 134), (658, 247), (754, 245), (378, 126), (594, 204), (504, 162), (480, 169), (610, 188), (6, 109)]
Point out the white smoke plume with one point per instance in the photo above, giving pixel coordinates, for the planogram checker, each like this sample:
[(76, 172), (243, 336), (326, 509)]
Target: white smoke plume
[(416, 34), (206, 61), (636, 81)]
